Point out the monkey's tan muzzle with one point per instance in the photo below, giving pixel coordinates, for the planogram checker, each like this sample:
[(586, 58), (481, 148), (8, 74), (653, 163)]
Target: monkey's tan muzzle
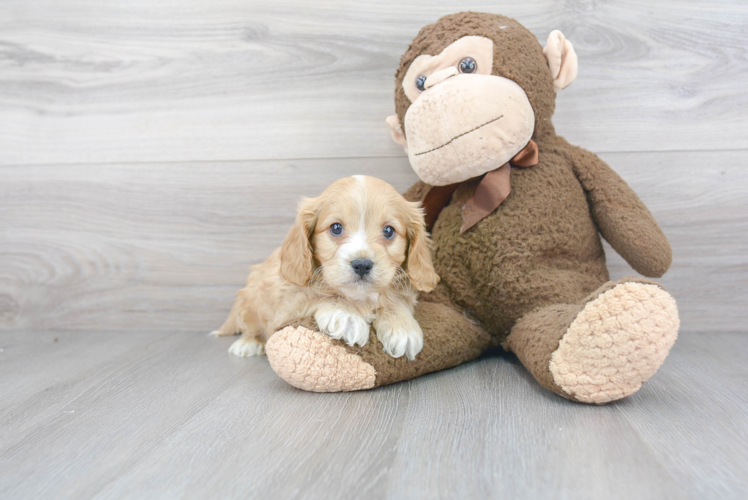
[(466, 126)]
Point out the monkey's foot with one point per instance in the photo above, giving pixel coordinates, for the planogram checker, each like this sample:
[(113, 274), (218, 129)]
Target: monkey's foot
[(315, 362), (615, 343)]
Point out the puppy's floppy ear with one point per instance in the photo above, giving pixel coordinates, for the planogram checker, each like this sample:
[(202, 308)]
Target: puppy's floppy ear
[(418, 265), (297, 259)]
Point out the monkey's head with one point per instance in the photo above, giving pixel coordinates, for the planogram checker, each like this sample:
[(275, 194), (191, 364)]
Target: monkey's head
[(471, 91)]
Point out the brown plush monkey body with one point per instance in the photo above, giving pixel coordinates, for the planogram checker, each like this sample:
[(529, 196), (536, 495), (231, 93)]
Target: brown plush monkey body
[(530, 274), (531, 262)]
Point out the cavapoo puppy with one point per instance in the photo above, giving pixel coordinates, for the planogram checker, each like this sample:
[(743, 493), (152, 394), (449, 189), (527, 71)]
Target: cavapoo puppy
[(356, 256)]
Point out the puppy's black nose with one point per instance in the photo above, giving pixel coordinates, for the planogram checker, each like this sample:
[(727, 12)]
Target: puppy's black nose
[(362, 267)]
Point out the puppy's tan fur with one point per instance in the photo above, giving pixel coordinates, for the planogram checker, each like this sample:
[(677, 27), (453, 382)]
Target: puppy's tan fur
[(311, 273)]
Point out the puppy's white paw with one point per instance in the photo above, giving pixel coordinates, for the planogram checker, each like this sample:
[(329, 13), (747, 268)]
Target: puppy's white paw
[(247, 347), (220, 333), (339, 324), (401, 337)]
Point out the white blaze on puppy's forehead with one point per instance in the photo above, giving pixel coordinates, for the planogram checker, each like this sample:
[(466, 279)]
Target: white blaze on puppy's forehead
[(357, 243)]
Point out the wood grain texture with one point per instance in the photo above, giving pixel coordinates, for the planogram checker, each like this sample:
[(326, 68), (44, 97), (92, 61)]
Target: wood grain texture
[(143, 81), (165, 246), (698, 389), (177, 416), (149, 246), (151, 151)]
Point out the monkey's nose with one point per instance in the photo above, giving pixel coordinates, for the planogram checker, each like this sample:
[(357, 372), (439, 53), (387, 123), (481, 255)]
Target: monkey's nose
[(440, 76), (362, 267)]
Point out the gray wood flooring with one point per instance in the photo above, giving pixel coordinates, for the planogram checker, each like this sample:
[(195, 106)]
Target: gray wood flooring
[(173, 415), (151, 151)]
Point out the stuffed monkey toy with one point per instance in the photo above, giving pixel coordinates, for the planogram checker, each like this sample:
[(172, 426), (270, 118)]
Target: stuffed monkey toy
[(516, 214)]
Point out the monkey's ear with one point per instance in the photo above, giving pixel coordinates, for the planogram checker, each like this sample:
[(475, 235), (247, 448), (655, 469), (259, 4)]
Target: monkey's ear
[(393, 122), (561, 59)]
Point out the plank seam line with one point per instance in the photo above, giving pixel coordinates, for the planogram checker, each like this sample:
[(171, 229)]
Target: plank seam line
[(323, 158)]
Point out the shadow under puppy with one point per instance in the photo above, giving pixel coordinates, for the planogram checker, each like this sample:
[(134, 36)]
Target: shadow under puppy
[(357, 256)]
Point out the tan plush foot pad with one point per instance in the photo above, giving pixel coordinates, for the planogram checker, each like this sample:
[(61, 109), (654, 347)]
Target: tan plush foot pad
[(310, 361), (616, 343)]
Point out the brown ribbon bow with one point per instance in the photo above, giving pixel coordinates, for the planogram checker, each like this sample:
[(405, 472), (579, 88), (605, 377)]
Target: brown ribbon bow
[(490, 193)]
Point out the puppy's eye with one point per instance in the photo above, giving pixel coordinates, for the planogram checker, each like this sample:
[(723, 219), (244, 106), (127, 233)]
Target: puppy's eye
[(388, 232), (468, 65), (421, 83), (336, 229)]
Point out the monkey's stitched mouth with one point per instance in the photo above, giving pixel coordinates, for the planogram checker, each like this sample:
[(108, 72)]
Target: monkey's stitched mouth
[(458, 136)]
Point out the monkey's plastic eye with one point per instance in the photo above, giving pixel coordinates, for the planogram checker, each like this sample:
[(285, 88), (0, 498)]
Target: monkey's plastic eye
[(468, 65), (421, 83), (388, 232), (336, 229)]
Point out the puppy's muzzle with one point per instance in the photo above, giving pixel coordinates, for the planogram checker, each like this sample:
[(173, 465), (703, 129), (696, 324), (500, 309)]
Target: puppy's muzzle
[(362, 267)]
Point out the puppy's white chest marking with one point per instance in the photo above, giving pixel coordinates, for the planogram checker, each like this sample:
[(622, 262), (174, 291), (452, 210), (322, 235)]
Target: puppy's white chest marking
[(360, 294)]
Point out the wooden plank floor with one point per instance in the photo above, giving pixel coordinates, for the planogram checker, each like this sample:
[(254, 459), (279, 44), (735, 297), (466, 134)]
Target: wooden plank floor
[(151, 151), (143, 415)]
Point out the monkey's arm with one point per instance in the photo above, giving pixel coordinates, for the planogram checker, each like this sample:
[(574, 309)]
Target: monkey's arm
[(621, 216)]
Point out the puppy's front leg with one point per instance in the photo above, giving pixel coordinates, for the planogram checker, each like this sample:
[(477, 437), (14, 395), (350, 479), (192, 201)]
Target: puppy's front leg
[(398, 331), (341, 324), (248, 345)]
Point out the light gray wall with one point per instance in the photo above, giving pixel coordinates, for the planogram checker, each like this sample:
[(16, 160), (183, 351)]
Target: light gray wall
[(151, 151)]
